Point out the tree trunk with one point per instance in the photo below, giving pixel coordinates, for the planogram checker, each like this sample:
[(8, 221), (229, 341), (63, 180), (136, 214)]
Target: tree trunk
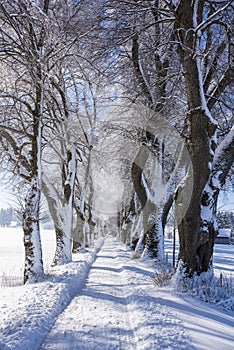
[(196, 228), (78, 235), (129, 217), (61, 210), (33, 269), (152, 216), (166, 210)]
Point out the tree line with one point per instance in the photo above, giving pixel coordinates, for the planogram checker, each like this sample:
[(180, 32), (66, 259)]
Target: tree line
[(7, 216), (226, 219), (12, 216), (134, 95)]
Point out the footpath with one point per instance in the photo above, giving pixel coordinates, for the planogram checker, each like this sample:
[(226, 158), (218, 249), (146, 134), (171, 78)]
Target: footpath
[(116, 311)]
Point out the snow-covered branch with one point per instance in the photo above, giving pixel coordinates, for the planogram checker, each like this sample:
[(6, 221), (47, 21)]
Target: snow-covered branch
[(226, 80), (208, 21), (223, 159)]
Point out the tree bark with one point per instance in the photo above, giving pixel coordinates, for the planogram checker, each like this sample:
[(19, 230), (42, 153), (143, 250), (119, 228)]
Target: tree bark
[(33, 269)]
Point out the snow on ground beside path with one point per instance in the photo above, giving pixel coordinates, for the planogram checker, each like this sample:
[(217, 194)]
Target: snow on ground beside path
[(12, 254), (28, 312), (210, 327), (119, 308), (204, 325)]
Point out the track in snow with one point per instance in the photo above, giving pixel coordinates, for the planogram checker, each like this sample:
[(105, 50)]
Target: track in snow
[(119, 308), (97, 318)]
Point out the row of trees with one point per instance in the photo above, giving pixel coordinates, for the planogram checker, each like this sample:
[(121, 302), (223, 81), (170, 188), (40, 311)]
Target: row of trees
[(41, 114), (118, 106), (179, 56), (225, 219), (13, 216), (7, 216)]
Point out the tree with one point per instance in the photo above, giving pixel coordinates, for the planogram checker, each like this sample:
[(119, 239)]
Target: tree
[(36, 40), (197, 25), (67, 161), (71, 106), (59, 189), (148, 33), (145, 50), (23, 53), (61, 154), (6, 216)]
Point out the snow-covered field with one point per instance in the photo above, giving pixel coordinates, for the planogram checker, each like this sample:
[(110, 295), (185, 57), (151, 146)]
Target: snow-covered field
[(119, 307), (223, 258), (12, 254)]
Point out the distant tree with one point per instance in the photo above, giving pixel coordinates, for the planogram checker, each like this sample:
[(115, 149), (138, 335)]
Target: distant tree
[(6, 216), (3, 217), (9, 216), (225, 219)]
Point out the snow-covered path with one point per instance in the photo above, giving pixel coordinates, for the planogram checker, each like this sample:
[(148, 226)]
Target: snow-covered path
[(119, 307), (113, 311), (97, 317)]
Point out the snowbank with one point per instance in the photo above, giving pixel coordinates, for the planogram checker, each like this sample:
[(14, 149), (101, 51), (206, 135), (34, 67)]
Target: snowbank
[(27, 313)]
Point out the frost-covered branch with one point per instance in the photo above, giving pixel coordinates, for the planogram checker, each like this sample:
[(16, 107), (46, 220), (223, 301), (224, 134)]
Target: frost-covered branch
[(223, 159), (226, 80), (208, 21)]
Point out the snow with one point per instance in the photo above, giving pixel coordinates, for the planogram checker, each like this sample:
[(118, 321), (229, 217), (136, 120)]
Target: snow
[(197, 53), (6, 198), (119, 306), (28, 312), (223, 145), (224, 232), (12, 253), (224, 260)]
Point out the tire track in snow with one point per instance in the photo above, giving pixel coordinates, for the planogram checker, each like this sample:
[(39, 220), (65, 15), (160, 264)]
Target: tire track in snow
[(132, 337)]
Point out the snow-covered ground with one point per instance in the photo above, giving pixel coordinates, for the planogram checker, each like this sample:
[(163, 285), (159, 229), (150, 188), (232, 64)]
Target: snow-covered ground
[(223, 257), (119, 307), (12, 254)]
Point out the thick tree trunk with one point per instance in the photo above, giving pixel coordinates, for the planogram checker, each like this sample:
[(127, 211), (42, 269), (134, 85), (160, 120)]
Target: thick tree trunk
[(196, 239), (197, 232), (63, 247), (63, 252), (196, 228), (33, 269), (58, 214)]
